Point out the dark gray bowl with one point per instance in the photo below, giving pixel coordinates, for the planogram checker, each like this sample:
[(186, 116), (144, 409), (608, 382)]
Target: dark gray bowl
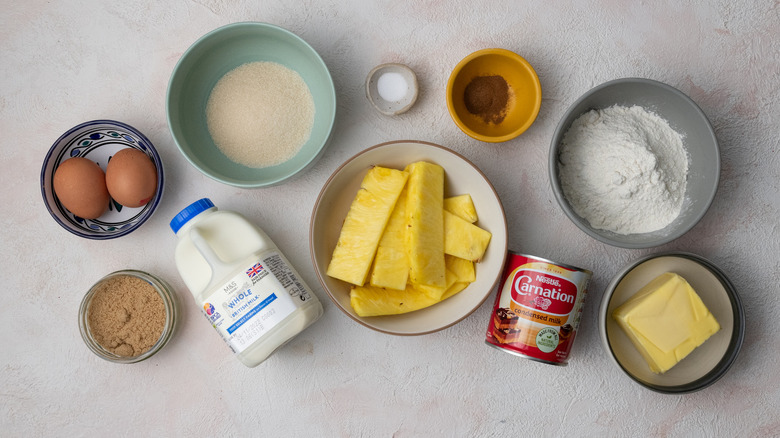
[(707, 363), (685, 117)]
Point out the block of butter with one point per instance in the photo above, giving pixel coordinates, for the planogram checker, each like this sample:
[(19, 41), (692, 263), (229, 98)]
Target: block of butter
[(665, 321)]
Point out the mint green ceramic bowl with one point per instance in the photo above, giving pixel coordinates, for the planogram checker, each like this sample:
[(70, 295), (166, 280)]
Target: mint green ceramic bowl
[(215, 54)]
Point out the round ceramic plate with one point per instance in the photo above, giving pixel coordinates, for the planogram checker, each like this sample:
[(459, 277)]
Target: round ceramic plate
[(461, 177), (705, 364), (98, 141)]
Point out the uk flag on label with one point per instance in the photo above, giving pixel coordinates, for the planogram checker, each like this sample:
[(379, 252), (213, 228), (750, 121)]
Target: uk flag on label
[(254, 270)]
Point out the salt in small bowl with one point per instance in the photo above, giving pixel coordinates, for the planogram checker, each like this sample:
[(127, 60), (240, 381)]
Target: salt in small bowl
[(385, 88)]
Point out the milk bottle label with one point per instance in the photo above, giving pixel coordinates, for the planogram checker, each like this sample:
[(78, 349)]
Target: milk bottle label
[(249, 305)]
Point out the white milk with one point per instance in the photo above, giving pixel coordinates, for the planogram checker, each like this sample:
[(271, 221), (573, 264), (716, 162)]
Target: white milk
[(245, 286)]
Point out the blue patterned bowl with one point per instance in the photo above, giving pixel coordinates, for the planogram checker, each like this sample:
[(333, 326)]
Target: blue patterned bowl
[(98, 141)]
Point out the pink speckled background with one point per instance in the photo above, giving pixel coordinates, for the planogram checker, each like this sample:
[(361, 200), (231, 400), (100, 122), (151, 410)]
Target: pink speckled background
[(62, 63)]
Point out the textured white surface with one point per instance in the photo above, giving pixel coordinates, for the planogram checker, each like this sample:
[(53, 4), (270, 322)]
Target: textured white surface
[(62, 63)]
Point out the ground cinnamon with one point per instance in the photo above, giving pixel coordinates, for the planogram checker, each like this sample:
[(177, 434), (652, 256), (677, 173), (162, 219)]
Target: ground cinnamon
[(126, 315), (487, 97)]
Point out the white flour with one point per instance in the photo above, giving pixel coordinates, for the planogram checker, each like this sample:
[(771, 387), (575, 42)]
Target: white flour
[(623, 169)]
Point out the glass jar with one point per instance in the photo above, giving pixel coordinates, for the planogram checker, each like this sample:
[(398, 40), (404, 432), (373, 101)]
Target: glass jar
[(169, 302)]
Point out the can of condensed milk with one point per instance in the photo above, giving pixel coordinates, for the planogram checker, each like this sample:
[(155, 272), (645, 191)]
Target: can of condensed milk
[(538, 308)]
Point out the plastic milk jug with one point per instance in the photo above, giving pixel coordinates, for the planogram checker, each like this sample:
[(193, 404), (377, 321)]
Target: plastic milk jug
[(245, 286)]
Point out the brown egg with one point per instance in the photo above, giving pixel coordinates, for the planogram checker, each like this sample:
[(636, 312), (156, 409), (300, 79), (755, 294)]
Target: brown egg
[(131, 178), (80, 185)]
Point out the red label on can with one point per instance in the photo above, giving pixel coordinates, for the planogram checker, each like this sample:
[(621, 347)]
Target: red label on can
[(538, 308), (538, 290)]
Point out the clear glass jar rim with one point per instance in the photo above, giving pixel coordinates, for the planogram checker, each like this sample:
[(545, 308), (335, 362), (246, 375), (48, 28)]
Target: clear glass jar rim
[(169, 301)]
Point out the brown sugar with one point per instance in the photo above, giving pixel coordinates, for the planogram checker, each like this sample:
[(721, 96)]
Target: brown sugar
[(126, 315), (487, 97)]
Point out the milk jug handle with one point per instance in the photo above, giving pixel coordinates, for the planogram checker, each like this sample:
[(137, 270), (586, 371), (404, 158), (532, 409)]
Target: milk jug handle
[(218, 268)]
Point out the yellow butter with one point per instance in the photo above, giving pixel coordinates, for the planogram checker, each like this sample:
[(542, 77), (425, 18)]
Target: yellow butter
[(665, 321)]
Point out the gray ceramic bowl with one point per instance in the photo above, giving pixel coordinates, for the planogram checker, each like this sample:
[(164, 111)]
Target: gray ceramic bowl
[(707, 363), (685, 117)]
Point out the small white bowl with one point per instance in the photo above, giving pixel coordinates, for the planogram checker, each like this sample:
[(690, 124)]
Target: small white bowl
[(460, 176), (707, 363), (392, 107)]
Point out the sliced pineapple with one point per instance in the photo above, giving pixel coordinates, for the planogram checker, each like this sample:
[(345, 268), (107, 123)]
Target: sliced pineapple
[(425, 224), (463, 239), (463, 269), (391, 268), (399, 229), (437, 292), (365, 223), (454, 289), (375, 301), (462, 206), (391, 265)]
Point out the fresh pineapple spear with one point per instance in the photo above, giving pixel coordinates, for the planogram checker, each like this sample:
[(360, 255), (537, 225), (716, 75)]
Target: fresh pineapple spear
[(454, 289), (425, 224), (375, 301), (418, 247), (462, 206), (391, 265), (463, 269), (437, 292), (365, 223), (463, 239)]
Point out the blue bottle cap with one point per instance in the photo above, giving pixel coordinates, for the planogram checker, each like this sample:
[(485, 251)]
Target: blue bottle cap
[(190, 212)]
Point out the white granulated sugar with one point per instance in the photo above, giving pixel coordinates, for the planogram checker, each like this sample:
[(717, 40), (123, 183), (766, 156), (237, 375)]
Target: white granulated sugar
[(623, 169), (260, 114)]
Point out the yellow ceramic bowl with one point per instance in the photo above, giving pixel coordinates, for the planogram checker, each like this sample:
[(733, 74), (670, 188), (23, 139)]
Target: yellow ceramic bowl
[(523, 105)]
